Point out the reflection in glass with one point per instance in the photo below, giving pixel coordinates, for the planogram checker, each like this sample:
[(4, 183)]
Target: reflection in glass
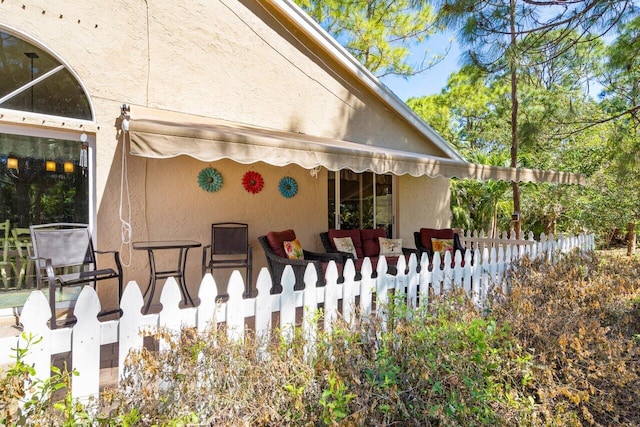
[(45, 186), (366, 200), (59, 94)]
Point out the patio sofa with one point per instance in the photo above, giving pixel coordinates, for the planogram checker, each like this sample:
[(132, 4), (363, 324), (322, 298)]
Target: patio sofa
[(275, 245), (365, 243)]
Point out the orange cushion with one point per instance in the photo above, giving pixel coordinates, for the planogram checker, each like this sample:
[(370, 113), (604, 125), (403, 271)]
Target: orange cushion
[(370, 243), (276, 240), (355, 238), (427, 233), (442, 245)]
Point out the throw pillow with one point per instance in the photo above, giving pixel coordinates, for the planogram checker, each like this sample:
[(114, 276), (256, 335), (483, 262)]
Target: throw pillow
[(442, 245), (391, 247), (345, 244), (293, 249)]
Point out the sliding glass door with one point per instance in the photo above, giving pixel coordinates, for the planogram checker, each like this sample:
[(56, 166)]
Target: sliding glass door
[(360, 200)]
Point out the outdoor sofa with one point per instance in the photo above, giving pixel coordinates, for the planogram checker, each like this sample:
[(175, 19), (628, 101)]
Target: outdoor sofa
[(365, 243)]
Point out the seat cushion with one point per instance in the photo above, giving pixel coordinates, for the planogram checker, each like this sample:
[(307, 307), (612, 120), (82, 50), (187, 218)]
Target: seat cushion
[(439, 233), (355, 238), (370, 243), (276, 240)]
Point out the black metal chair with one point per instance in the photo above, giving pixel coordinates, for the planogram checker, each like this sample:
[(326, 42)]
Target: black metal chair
[(229, 248), (64, 255)]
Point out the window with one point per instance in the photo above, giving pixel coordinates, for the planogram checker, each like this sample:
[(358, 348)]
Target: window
[(365, 200), (33, 80), (44, 173)]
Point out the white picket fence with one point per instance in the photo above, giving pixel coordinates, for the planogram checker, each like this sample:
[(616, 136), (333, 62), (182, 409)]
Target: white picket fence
[(486, 269), (479, 240)]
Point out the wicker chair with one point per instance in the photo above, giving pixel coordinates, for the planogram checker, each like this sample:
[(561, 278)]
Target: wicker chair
[(423, 240), (277, 262)]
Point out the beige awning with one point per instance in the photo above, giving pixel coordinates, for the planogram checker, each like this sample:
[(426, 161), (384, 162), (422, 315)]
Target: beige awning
[(162, 134)]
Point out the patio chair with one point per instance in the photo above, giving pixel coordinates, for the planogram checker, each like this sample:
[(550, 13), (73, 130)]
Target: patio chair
[(425, 237), (5, 259), (229, 248), (273, 244), (22, 242), (64, 256)]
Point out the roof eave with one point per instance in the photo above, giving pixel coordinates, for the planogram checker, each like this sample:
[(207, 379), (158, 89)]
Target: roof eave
[(340, 54)]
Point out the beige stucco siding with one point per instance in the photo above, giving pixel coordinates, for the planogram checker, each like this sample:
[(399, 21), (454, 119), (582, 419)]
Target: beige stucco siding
[(215, 59), (167, 203), (423, 203)]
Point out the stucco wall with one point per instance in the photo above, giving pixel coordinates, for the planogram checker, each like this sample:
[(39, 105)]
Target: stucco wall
[(224, 59), (167, 203), (423, 203)]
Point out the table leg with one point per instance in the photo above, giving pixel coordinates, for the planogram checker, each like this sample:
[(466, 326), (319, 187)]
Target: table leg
[(152, 282), (182, 265)]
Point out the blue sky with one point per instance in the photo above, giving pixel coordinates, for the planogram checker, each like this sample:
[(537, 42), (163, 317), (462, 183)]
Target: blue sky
[(431, 81)]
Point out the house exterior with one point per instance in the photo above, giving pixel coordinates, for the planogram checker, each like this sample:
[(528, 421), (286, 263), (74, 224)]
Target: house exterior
[(125, 103)]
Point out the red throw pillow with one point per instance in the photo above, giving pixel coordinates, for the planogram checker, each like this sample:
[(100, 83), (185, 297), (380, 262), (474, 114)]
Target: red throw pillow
[(276, 240), (426, 234), (370, 242), (355, 238)]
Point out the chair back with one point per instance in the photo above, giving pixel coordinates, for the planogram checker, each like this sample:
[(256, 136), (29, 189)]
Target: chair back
[(65, 244), (4, 238), (230, 238), (22, 241)]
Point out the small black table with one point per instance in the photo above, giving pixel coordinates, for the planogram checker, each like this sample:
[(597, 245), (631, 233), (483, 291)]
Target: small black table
[(156, 245)]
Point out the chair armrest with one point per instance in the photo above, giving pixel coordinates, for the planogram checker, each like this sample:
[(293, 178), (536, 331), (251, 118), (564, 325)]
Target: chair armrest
[(345, 255), (116, 258), (51, 274), (409, 251), (299, 267), (324, 256)]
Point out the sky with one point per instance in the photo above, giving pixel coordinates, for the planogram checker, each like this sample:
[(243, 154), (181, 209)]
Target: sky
[(431, 81)]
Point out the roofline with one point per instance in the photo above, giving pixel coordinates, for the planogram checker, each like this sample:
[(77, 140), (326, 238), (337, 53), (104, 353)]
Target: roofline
[(340, 54)]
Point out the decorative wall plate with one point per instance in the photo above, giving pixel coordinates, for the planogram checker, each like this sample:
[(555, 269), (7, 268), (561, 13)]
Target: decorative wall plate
[(288, 187), (252, 182), (209, 179)]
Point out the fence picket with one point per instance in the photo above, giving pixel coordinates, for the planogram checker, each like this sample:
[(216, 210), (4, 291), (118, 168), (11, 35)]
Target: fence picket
[(367, 289), (235, 318), (263, 309), (208, 295), (34, 318), (86, 342), (288, 302)]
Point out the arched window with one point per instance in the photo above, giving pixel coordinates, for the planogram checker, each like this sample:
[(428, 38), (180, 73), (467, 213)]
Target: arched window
[(44, 172), (33, 80)]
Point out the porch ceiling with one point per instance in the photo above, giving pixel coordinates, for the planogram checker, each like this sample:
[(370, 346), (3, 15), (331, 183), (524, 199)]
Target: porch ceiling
[(164, 134)]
